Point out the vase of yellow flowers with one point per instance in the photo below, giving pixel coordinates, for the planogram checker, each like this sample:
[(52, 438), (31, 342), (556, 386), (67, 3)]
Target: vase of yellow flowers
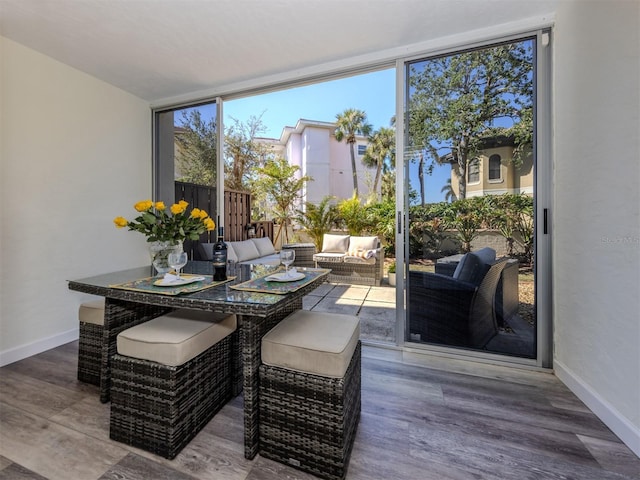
[(165, 231)]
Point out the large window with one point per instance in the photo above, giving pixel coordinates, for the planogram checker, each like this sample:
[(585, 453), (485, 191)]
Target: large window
[(494, 167), (440, 158), (186, 161), (474, 171)]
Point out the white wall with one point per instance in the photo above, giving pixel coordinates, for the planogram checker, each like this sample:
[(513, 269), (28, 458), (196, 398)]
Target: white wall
[(75, 153), (596, 226)]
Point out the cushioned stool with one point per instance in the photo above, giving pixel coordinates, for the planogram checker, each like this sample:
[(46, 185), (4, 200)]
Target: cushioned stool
[(91, 317), (310, 392), (169, 378)]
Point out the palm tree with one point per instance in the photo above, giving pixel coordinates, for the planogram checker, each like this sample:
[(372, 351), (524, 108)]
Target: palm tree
[(381, 148), (350, 123), (318, 219), (449, 194)]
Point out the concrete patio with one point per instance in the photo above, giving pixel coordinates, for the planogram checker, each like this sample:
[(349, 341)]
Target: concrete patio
[(375, 306)]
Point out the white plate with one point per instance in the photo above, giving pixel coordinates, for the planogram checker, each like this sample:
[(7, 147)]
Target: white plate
[(177, 282), (282, 277)]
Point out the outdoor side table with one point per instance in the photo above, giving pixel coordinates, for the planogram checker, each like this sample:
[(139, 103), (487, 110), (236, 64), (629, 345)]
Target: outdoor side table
[(304, 254)]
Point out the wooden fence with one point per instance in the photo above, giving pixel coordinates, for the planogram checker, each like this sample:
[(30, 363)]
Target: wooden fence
[(237, 217)]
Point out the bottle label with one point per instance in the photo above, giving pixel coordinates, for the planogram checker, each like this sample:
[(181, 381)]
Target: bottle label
[(219, 258)]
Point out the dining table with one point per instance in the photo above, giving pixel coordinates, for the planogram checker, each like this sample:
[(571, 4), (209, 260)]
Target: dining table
[(259, 300)]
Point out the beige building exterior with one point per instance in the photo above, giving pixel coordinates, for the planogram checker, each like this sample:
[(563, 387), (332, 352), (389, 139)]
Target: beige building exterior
[(493, 171)]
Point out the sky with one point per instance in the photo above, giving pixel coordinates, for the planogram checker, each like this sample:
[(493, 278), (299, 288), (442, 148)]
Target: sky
[(374, 93)]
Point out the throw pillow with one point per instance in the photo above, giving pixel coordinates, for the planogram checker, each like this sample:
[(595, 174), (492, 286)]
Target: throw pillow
[(264, 246), (363, 243), (335, 243), (362, 253), (245, 250)]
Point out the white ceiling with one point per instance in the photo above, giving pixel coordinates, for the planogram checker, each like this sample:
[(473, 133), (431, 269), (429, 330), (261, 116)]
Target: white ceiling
[(161, 49)]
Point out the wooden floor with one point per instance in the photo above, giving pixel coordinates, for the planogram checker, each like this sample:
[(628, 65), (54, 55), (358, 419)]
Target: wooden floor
[(417, 423)]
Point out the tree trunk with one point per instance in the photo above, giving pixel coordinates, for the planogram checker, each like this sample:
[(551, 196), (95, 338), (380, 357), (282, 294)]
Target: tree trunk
[(421, 178), (462, 166), (377, 180), (353, 168)]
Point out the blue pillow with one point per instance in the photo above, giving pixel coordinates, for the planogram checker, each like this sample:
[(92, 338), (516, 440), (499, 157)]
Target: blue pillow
[(465, 268)]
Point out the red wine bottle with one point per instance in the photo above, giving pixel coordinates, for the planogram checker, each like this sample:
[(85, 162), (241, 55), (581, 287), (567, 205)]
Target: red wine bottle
[(220, 257)]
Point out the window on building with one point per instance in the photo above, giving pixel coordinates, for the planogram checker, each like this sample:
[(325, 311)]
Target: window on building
[(494, 167), (361, 149), (473, 172)]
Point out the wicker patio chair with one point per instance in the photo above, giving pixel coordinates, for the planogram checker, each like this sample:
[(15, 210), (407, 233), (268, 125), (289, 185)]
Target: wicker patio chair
[(451, 311)]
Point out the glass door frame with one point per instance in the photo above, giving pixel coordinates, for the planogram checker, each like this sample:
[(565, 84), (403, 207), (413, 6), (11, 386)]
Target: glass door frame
[(542, 205)]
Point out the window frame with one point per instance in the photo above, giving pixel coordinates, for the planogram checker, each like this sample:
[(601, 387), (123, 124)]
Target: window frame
[(499, 179)]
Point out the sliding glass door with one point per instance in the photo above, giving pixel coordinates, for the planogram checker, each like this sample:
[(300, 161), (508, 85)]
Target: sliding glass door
[(470, 199)]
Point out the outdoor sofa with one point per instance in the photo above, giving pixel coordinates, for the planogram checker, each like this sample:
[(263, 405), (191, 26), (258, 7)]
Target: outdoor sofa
[(352, 259), (253, 251)]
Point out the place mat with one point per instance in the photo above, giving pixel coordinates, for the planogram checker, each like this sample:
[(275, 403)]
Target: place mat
[(262, 285), (146, 285)]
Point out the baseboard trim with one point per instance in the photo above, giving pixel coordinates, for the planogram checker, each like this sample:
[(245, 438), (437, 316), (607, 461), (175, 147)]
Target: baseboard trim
[(24, 351), (623, 428)]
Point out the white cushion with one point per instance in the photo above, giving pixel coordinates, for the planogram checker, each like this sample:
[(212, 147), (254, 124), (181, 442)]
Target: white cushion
[(245, 250), (312, 342), (273, 259), (264, 246), (177, 337), (92, 312), (329, 257), (363, 243), (335, 243), (358, 259)]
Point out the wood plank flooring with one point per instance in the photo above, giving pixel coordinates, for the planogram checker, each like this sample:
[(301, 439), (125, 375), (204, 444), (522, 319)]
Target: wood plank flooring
[(417, 423)]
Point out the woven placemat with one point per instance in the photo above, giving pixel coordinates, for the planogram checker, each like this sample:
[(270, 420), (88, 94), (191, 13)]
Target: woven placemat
[(262, 285), (146, 285)]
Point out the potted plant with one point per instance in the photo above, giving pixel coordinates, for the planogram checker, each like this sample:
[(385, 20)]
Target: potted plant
[(392, 274)]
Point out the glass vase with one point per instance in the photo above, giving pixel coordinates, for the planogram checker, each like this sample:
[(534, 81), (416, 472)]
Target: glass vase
[(160, 255)]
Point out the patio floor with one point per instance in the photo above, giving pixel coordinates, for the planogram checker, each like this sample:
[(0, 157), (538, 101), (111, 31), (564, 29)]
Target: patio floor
[(376, 308)]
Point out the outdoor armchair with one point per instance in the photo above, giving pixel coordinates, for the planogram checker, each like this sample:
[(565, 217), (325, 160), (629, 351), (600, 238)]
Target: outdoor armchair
[(459, 310)]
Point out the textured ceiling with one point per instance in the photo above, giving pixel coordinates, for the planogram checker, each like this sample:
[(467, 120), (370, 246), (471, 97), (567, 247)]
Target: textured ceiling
[(159, 49)]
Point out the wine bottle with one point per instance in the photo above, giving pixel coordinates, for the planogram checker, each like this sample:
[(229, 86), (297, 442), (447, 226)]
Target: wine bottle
[(220, 257)]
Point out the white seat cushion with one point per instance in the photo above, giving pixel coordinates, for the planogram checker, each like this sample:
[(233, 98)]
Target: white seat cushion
[(92, 312), (177, 337), (273, 259), (329, 257), (357, 259), (312, 342)]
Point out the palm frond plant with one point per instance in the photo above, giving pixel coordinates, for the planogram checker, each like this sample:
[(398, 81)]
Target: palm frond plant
[(318, 219)]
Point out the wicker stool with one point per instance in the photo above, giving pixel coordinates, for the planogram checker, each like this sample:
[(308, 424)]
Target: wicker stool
[(170, 377), (310, 392), (91, 317)]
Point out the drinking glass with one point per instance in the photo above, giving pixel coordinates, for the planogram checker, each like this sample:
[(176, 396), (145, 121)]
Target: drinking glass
[(177, 260), (286, 258)]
